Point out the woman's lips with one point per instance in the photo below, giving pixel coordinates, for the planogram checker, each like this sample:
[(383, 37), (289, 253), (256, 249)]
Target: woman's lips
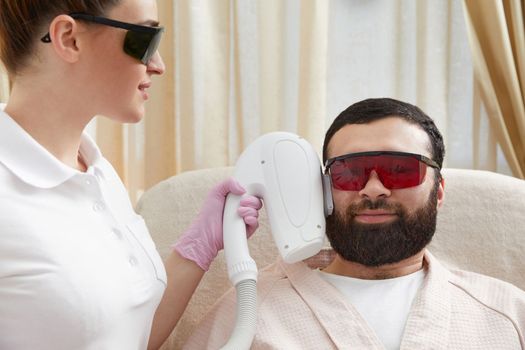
[(142, 88)]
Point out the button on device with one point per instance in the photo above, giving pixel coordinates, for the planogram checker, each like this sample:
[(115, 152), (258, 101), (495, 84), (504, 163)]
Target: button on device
[(133, 261), (98, 206)]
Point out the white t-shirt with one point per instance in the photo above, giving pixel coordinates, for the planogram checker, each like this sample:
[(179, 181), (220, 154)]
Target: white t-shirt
[(78, 268), (383, 304)]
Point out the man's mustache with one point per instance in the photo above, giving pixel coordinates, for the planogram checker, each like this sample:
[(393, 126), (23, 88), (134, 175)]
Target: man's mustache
[(367, 204)]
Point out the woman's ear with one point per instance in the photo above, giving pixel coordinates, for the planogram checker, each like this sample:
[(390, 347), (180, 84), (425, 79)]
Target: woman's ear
[(63, 32)]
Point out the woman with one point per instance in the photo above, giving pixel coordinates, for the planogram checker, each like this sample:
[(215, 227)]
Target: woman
[(78, 269)]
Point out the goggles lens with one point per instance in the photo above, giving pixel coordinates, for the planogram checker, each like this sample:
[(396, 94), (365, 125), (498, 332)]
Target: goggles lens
[(142, 45), (141, 42), (395, 169)]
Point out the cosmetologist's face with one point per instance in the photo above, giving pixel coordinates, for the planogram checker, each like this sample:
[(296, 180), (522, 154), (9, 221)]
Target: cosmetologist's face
[(120, 81)]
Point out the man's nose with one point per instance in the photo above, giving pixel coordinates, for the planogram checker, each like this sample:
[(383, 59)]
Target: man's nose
[(374, 188)]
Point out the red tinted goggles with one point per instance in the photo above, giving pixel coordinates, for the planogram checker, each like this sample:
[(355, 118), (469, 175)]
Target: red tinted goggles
[(350, 172)]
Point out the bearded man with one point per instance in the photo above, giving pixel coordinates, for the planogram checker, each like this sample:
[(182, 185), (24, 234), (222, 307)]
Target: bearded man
[(379, 288)]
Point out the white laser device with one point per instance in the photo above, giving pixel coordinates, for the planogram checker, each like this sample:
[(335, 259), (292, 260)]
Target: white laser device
[(284, 170)]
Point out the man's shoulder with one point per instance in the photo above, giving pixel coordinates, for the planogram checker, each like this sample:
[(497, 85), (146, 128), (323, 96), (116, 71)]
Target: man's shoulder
[(470, 280), (274, 279), (214, 329), (269, 278), (492, 293), (477, 285)]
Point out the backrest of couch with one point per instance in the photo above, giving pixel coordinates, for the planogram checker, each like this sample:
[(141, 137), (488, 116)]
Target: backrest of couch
[(481, 228)]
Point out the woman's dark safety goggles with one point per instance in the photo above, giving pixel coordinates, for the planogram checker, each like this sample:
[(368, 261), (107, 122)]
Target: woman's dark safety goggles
[(351, 172), (141, 42)]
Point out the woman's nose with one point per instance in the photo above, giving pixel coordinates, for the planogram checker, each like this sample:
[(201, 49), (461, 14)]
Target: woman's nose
[(156, 64)]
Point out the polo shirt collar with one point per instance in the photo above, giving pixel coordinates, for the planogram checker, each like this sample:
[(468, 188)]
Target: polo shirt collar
[(34, 164)]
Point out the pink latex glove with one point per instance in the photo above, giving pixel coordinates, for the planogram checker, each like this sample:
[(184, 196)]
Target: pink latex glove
[(203, 239)]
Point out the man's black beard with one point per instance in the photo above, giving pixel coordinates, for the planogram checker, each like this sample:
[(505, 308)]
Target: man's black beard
[(380, 244)]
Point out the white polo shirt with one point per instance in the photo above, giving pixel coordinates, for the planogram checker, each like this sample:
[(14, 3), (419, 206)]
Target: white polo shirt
[(78, 268)]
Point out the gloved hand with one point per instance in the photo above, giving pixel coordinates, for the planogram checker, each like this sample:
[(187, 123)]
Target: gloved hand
[(203, 239)]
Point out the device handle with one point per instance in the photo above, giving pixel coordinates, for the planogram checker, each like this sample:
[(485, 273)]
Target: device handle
[(240, 264), (242, 271)]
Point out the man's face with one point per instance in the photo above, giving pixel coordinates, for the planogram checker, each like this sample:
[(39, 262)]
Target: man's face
[(376, 225)]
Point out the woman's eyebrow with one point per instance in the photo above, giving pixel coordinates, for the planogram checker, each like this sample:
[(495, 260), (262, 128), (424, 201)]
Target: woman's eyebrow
[(150, 23)]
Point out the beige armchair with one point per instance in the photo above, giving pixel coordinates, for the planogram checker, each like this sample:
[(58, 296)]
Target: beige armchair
[(481, 228)]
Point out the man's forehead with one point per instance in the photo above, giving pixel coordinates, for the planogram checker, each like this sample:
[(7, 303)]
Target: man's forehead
[(387, 134)]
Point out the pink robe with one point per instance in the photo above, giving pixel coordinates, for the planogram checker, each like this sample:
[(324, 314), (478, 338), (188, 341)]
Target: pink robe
[(297, 309)]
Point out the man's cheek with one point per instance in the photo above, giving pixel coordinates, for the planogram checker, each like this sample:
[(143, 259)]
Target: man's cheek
[(342, 200)]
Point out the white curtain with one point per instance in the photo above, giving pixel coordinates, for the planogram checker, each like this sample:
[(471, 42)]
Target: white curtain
[(294, 65), (416, 51), (239, 68)]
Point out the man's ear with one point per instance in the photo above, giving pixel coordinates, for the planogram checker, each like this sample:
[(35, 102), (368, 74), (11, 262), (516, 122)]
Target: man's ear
[(63, 32), (441, 192)]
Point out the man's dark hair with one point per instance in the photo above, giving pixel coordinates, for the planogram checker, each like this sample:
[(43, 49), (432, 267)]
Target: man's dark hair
[(373, 109)]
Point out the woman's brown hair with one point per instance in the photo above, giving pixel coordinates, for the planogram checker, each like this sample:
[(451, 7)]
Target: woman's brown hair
[(24, 22)]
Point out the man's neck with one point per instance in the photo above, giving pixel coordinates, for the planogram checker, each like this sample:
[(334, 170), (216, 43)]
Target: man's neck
[(342, 267)]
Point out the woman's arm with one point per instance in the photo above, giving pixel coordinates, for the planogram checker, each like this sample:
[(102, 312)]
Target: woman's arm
[(183, 278), (194, 252)]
